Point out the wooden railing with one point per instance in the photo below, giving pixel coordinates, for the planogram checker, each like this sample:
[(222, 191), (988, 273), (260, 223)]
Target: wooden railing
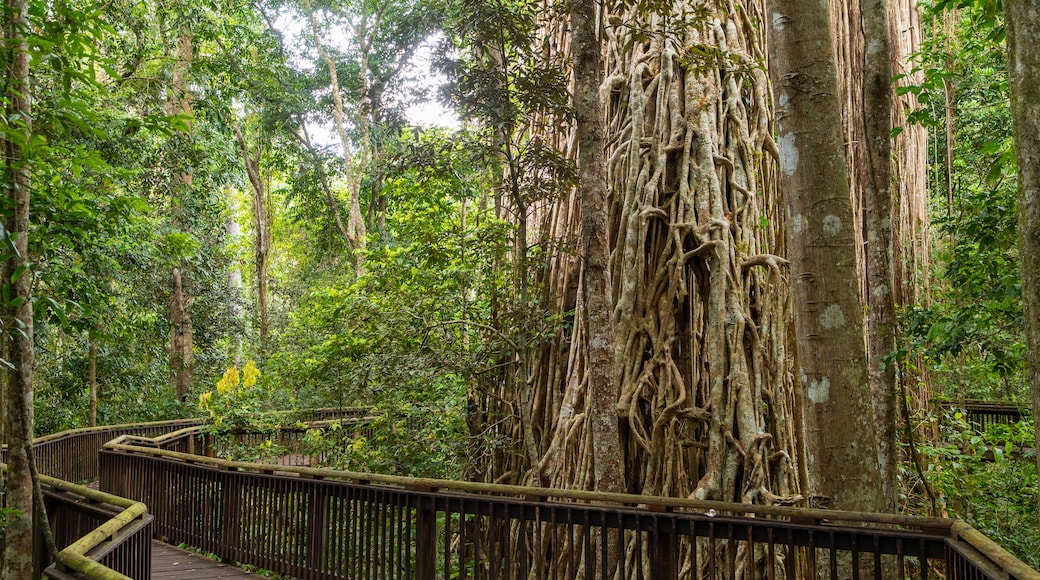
[(105, 536), (982, 414), (290, 439), (72, 455), (100, 535), (311, 523)]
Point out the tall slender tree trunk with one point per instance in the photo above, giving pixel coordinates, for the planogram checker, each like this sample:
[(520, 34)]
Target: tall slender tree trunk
[(181, 355), (950, 91), (842, 448), (607, 461), (181, 334), (1023, 25), (18, 551), (261, 221), (911, 243), (355, 221), (877, 168), (92, 383), (911, 238), (232, 229)]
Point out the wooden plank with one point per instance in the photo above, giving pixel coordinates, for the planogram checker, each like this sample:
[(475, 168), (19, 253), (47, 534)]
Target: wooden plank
[(171, 563)]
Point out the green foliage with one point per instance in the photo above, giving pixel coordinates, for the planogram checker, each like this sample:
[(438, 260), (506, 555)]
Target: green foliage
[(105, 228), (236, 405), (408, 335), (989, 480), (498, 77), (418, 431), (971, 332)]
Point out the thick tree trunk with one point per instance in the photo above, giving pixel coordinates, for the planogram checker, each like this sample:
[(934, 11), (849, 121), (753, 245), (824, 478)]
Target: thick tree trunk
[(701, 314), (842, 448), (862, 54), (706, 404), (1023, 26), (602, 387), (18, 551)]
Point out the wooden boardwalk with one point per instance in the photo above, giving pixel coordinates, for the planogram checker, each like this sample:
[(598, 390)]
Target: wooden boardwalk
[(172, 563)]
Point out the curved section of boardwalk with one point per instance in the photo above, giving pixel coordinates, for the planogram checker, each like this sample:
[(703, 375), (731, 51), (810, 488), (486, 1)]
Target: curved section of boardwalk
[(170, 563), (316, 524)]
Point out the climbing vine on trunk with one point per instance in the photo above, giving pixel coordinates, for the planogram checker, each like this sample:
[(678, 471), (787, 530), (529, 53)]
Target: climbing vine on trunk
[(706, 406)]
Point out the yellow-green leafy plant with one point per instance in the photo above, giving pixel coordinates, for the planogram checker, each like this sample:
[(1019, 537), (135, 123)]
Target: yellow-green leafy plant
[(236, 411)]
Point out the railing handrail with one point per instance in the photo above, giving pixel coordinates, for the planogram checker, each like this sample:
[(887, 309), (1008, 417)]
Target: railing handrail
[(57, 436), (74, 556), (191, 421), (956, 534), (1005, 560), (984, 405), (651, 503)]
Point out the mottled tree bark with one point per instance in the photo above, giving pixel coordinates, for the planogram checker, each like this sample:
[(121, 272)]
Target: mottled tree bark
[(832, 363), (881, 320), (1023, 25), (602, 384), (862, 58), (18, 331)]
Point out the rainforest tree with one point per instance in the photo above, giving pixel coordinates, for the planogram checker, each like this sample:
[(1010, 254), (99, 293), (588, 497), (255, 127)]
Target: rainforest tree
[(832, 365), (1023, 25)]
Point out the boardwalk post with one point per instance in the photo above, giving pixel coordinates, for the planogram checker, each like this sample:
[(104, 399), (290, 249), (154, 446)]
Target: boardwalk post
[(425, 539), (664, 549)]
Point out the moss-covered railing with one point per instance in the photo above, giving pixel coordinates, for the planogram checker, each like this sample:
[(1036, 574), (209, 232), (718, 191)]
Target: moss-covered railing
[(315, 523), (118, 548), (103, 536)]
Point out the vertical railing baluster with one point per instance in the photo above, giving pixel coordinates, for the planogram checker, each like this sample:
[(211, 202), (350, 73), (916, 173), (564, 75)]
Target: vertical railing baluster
[(317, 528)]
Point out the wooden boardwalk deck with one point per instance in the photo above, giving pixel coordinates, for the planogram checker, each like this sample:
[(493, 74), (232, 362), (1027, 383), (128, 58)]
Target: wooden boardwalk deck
[(172, 563)]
